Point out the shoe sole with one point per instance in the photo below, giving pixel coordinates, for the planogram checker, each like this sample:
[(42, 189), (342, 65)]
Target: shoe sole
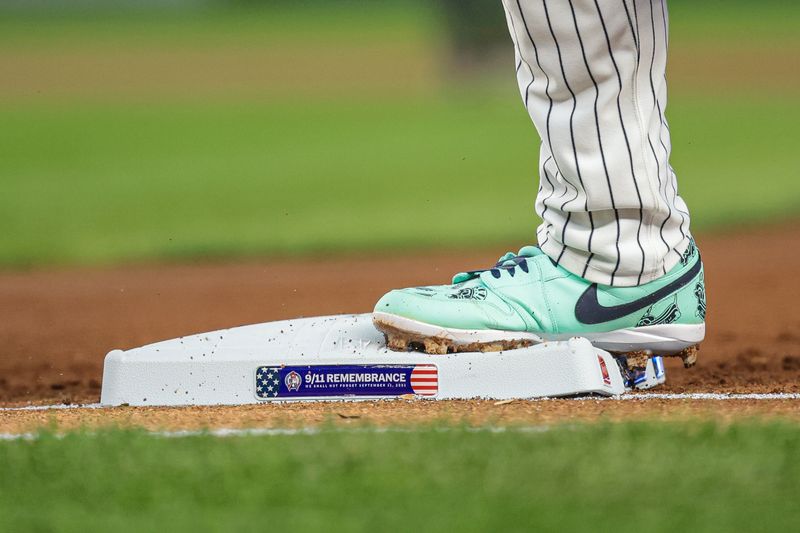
[(638, 345)]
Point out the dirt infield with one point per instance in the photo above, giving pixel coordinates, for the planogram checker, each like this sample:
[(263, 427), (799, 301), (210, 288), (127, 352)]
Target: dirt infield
[(383, 413), (57, 325)]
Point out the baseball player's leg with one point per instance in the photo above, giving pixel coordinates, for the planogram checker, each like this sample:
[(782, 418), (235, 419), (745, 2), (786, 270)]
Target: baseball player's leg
[(615, 262), (591, 74)]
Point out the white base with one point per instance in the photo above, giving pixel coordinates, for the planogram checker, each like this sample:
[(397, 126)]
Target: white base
[(222, 367)]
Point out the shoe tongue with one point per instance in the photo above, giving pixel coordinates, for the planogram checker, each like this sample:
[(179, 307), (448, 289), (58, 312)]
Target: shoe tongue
[(461, 277), (530, 251)]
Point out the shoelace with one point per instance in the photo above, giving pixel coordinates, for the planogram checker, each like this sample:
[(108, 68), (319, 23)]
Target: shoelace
[(508, 263)]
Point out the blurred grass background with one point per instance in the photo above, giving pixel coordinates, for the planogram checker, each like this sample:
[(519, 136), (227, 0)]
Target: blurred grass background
[(673, 476), (190, 129)]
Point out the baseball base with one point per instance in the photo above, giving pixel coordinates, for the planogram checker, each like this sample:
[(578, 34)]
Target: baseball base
[(345, 358)]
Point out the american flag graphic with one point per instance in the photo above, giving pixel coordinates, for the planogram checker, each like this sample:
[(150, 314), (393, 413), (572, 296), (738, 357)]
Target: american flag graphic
[(268, 382), (425, 380)]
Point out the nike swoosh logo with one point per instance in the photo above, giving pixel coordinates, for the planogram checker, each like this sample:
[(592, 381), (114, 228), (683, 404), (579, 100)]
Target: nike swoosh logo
[(588, 309)]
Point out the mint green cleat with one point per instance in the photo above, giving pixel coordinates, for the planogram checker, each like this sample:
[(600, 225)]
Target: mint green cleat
[(527, 299)]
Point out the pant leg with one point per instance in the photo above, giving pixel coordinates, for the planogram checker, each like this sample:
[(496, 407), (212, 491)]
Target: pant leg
[(592, 77)]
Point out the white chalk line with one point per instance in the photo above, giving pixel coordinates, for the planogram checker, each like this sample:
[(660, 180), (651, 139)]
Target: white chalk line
[(717, 396), (276, 432), (711, 396), (60, 406), (220, 432)]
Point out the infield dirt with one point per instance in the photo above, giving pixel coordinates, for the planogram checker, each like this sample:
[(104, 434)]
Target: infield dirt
[(57, 325)]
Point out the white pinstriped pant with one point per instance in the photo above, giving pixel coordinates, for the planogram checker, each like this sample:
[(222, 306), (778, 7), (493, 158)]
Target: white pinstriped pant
[(591, 74)]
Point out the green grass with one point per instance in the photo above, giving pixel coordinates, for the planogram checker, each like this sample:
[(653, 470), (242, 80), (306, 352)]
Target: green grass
[(104, 178), (114, 182), (100, 183), (310, 23), (622, 477), (739, 21)]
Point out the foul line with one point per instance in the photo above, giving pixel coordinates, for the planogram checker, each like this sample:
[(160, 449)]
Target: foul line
[(636, 396), (272, 432), (710, 396), (55, 406)]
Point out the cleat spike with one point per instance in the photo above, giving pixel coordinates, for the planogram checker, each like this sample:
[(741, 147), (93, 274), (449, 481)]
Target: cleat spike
[(689, 355), (637, 359), (396, 343), (496, 347), (434, 346)]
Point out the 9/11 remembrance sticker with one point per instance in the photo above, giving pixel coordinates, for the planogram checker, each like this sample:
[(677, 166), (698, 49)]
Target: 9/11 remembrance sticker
[(315, 381)]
